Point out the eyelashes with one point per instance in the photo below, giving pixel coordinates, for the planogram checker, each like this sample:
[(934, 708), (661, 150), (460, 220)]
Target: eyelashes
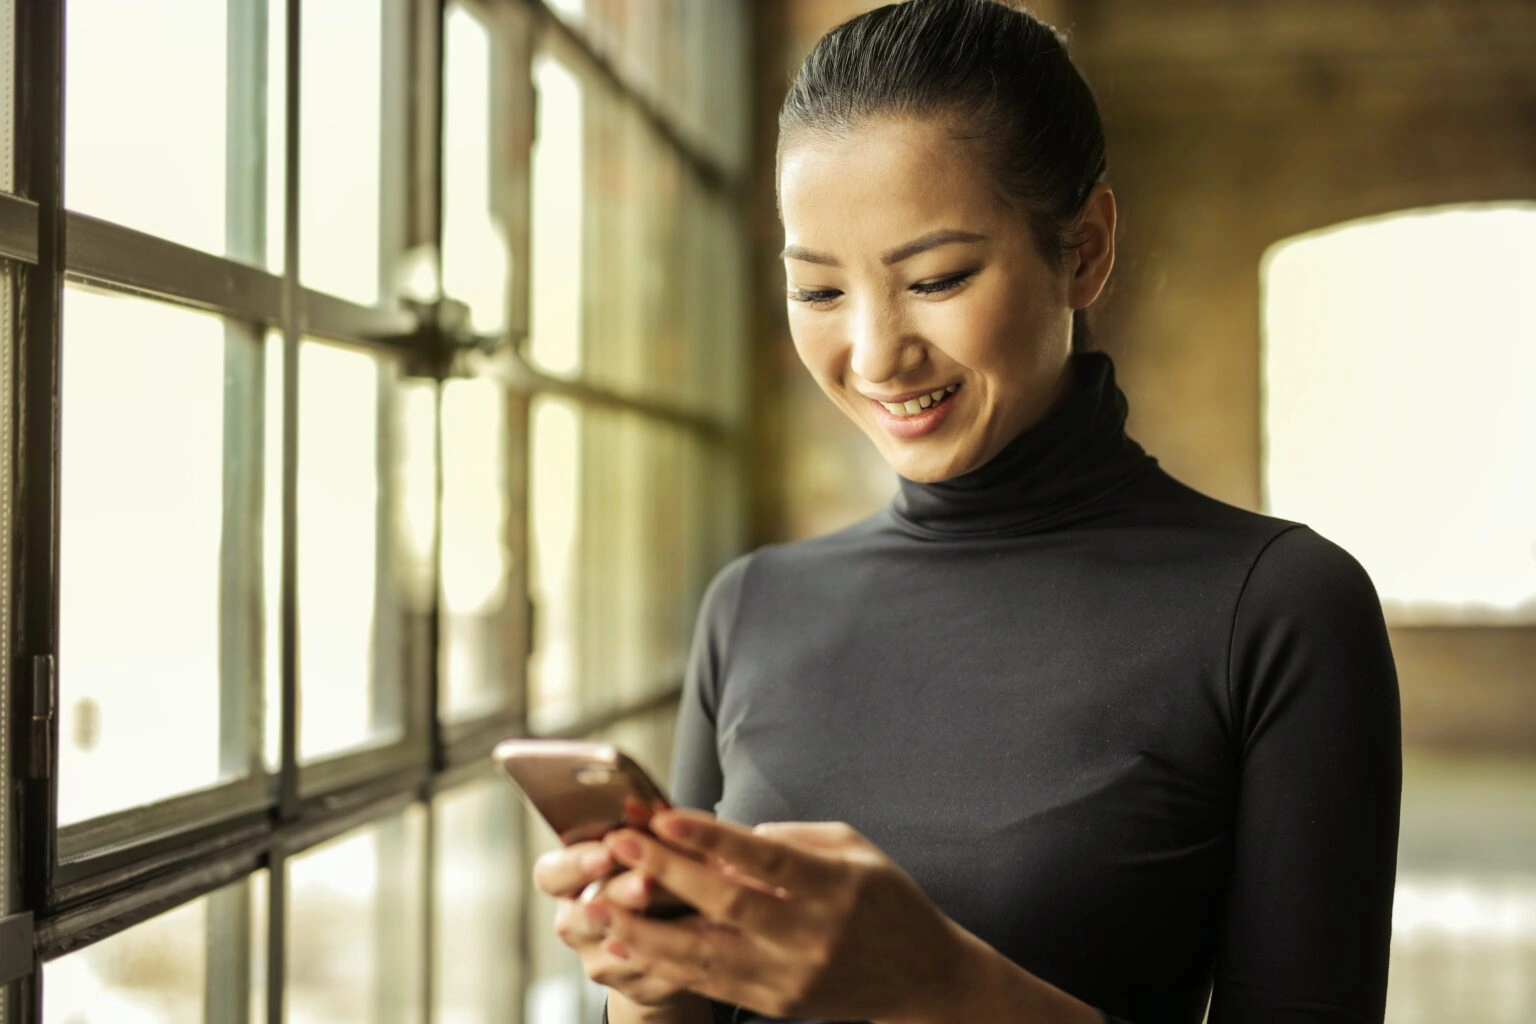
[(823, 296), (814, 298), (945, 284)]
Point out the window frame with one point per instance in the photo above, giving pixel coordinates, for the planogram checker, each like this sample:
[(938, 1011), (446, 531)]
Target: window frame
[(99, 877)]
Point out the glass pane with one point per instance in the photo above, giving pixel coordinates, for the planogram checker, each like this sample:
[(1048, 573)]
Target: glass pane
[(558, 224), (340, 147), (187, 146), (350, 653), (715, 319), (620, 544), (161, 526), (607, 275), (203, 961), (355, 918), (475, 267), (415, 483), (477, 563), (635, 275), (480, 881), (557, 986), (553, 522)]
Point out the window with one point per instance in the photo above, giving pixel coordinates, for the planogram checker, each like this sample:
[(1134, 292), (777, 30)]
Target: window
[(386, 428), (1389, 355)]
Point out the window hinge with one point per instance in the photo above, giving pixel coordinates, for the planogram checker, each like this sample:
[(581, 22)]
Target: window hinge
[(16, 958), (38, 675)]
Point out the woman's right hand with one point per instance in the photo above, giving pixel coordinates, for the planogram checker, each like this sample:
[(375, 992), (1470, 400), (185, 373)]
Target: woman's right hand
[(582, 923)]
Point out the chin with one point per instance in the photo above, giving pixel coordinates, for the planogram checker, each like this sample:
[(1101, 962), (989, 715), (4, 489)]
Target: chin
[(926, 468)]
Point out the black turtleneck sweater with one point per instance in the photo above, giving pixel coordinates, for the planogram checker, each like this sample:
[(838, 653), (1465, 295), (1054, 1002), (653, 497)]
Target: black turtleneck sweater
[(1144, 744)]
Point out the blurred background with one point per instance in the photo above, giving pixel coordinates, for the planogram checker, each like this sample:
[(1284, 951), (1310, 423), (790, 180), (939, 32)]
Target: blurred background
[(390, 376)]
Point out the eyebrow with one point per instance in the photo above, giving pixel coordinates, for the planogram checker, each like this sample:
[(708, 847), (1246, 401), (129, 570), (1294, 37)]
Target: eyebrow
[(932, 240)]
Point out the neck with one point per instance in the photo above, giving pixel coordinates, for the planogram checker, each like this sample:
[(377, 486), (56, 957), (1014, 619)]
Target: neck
[(1075, 451)]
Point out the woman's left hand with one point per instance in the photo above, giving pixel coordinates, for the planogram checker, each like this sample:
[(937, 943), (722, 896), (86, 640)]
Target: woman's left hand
[(795, 919)]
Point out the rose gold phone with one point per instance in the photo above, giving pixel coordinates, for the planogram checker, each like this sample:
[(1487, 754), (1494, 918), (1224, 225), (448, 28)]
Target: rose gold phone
[(584, 790)]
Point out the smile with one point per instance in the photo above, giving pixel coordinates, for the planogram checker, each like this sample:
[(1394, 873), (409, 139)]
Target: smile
[(914, 406), (916, 416)]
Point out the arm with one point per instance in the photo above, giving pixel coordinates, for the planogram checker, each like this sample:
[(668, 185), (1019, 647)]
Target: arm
[(985, 985), (1317, 724), (696, 777)]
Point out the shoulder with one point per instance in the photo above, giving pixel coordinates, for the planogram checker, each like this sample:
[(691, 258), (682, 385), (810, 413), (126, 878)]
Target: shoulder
[(722, 597), (1309, 644), (1300, 573)]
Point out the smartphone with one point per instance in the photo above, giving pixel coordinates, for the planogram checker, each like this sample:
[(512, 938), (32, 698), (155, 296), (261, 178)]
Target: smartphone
[(585, 790)]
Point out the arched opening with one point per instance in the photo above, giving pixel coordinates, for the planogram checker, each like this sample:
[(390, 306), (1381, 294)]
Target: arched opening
[(1399, 365)]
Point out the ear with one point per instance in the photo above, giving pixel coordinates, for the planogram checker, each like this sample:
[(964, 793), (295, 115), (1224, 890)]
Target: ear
[(1090, 263)]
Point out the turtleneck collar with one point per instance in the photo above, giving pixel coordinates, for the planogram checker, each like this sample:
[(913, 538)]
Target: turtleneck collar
[(1076, 453)]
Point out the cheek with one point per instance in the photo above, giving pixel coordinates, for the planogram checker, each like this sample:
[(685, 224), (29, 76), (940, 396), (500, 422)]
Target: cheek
[(993, 335), (815, 342), (979, 334)]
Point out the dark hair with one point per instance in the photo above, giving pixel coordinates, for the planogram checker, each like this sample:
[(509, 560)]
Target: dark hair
[(1001, 74)]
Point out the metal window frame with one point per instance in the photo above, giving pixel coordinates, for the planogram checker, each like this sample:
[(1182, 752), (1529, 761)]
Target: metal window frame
[(103, 876)]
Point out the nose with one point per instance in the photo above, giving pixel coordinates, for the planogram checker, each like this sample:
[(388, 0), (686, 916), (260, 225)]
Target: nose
[(883, 348)]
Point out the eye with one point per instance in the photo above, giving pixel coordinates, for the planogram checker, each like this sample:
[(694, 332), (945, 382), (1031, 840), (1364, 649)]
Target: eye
[(943, 284), (814, 296)]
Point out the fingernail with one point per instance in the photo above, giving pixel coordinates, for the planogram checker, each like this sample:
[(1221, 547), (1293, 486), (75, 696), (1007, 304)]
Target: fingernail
[(598, 915), (595, 862), (673, 826), (625, 847), (618, 949)]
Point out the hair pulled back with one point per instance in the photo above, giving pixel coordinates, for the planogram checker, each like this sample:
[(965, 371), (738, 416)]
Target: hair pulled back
[(1000, 76)]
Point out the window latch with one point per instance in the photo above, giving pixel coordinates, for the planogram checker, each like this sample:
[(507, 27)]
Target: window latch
[(443, 332)]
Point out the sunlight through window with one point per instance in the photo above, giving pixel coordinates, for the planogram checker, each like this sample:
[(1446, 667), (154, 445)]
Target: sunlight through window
[(1399, 363)]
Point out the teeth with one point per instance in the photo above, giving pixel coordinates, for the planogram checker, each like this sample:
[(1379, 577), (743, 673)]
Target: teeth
[(918, 404)]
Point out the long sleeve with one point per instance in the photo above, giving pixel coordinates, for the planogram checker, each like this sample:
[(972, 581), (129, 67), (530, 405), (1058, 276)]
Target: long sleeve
[(696, 780), (1316, 720)]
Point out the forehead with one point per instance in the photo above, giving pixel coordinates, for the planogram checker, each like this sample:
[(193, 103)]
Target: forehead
[(883, 183)]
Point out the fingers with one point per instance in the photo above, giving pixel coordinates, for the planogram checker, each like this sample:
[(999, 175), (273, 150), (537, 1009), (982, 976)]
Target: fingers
[(580, 925), (565, 872), (823, 835), (715, 895), (706, 957), (633, 890), (790, 857), (585, 930)]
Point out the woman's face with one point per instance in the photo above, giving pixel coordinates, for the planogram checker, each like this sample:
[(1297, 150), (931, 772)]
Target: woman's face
[(911, 284)]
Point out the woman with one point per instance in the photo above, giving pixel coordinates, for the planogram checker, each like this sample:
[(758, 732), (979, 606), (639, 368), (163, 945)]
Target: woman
[(1069, 741)]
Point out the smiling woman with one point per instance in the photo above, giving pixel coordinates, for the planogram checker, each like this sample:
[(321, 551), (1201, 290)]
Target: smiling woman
[(1053, 737), (885, 306)]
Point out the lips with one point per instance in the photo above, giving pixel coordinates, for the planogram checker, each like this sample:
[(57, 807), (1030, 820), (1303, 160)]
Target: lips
[(901, 422)]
